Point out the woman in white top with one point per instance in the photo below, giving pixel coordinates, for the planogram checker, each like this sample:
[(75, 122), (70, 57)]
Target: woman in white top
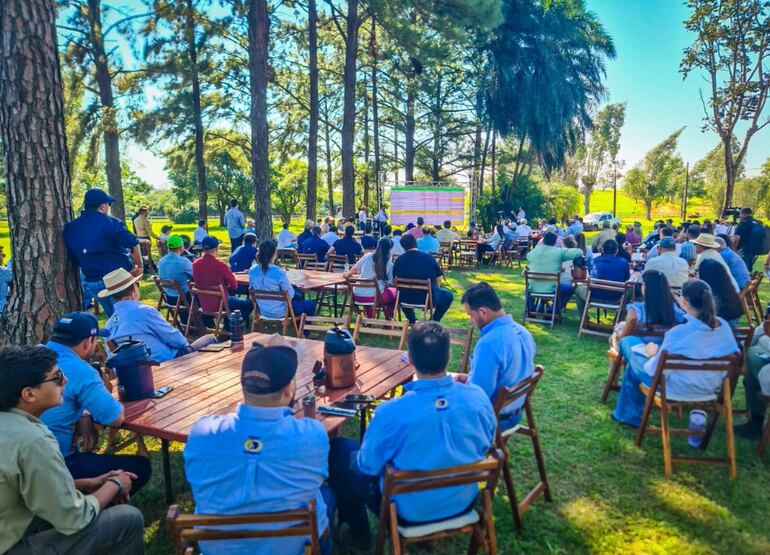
[(376, 265)]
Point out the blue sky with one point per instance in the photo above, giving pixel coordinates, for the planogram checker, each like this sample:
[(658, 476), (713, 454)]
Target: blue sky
[(649, 38)]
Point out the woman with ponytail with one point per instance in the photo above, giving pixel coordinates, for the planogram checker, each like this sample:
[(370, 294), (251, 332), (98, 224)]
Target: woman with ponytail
[(376, 265), (267, 276), (703, 335)]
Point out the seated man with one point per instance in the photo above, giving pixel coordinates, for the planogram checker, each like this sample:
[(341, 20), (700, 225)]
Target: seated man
[(42, 509), (368, 240), (414, 264), (547, 258), (144, 322), (687, 250), (604, 235), (669, 263), (209, 271), (174, 265), (397, 249), (707, 248), (286, 239), (429, 242), (315, 245), (306, 233), (445, 234), (274, 461), (756, 381), (437, 423), (504, 354), (347, 246), (609, 266), (201, 232), (331, 235), (243, 257), (74, 340)]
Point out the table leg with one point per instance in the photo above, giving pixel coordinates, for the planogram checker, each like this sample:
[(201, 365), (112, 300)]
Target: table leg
[(335, 299), (167, 472)]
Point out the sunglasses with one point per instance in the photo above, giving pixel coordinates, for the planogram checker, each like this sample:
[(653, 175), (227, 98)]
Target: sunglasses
[(58, 379)]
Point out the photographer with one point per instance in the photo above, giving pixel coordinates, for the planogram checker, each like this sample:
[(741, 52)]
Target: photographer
[(747, 236)]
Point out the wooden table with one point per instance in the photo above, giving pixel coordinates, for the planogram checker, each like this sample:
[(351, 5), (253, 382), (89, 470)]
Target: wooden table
[(209, 383), (306, 280)]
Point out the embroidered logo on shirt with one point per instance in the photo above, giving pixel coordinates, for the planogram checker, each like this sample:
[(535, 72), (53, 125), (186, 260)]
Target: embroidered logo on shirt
[(441, 403), (252, 445)]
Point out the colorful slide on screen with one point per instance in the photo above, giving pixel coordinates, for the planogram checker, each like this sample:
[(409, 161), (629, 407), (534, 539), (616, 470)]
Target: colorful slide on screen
[(435, 204)]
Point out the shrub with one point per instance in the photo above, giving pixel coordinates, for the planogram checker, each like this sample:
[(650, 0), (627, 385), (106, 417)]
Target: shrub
[(186, 215)]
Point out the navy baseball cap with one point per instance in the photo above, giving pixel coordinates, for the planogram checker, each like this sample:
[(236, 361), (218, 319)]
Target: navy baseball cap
[(667, 243), (97, 197), (209, 242), (268, 368), (77, 326)]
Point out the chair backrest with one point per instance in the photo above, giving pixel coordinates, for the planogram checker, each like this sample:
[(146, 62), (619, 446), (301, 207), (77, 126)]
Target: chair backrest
[(336, 262), (524, 389), (302, 259), (263, 295), (540, 277), (162, 285), (188, 528), (317, 266), (463, 338), (422, 285), (595, 284), (468, 244), (218, 292), (358, 282), (387, 328), (320, 323), (668, 362), (640, 329)]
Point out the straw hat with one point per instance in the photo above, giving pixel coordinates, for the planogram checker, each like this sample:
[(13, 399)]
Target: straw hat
[(116, 281), (706, 240)]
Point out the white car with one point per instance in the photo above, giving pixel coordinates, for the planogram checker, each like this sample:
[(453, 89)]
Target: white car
[(595, 220)]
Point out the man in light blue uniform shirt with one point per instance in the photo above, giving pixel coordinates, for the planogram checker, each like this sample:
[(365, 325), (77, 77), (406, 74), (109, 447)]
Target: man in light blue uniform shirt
[(175, 266), (132, 318), (260, 458), (235, 225), (437, 423), (73, 340), (505, 353)]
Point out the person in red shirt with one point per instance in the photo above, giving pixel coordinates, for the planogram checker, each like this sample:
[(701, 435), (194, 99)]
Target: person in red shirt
[(417, 232), (209, 271)]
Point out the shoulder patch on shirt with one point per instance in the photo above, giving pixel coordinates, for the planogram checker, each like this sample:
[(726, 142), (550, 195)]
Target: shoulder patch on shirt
[(252, 446)]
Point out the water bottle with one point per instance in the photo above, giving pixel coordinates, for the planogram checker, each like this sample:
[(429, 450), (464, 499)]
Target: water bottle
[(236, 330), (697, 424)]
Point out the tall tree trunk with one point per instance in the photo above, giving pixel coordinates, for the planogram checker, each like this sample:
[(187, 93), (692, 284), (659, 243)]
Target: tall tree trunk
[(729, 174), (109, 115), (312, 141), (395, 151), (409, 125), (258, 74), (328, 156), (366, 149), (484, 160), (476, 175), (494, 162), (39, 202), (648, 209), (349, 109), (200, 165), (373, 52), (587, 190)]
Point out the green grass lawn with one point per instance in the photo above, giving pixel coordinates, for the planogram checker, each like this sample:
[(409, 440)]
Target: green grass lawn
[(609, 496)]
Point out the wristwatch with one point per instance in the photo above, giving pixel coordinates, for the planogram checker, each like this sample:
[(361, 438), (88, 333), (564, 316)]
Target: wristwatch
[(116, 482)]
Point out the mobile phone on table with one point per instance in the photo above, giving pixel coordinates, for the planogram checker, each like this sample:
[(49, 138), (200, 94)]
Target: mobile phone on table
[(336, 411), (162, 391), (358, 398), (214, 348)]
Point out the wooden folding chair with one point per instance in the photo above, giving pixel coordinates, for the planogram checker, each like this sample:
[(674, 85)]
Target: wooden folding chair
[(387, 328), (477, 522), (446, 249), (546, 299), (506, 397), (172, 308), (320, 324), (287, 257), (466, 255), (617, 361), (439, 257), (494, 256), (752, 307), (186, 529), (418, 286), (357, 306), (257, 295), (197, 312), (605, 305), (337, 262), (145, 248), (765, 440), (303, 259), (720, 402), (462, 337)]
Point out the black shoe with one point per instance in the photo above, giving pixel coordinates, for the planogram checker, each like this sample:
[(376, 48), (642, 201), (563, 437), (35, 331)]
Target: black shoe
[(750, 430), (344, 538)]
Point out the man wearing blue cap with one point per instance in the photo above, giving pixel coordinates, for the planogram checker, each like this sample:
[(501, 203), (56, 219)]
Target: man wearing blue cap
[(74, 340), (100, 244), (274, 461)]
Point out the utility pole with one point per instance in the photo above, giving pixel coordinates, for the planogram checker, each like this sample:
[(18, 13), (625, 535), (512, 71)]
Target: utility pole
[(686, 187)]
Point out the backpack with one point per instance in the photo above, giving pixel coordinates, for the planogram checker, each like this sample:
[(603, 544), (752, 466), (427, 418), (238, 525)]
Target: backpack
[(759, 240)]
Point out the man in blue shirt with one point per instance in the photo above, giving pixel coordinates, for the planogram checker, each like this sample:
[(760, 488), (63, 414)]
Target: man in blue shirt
[(437, 423), (429, 243), (347, 246), (175, 266), (504, 354), (235, 224), (306, 234), (74, 340), (576, 226), (735, 263), (315, 245), (688, 251), (260, 458), (100, 244), (243, 257), (609, 267), (143, 322), (414, 264)]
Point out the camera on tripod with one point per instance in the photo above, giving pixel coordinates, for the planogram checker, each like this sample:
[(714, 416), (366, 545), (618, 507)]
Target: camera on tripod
[(732, 212)]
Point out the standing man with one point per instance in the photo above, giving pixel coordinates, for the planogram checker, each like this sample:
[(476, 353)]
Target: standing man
[(42, 509), (362, 216), (100, 244), (235, 224), (143, 226), (520, 215), (743, 239), (504, 354), (380, 219), (86, 401)]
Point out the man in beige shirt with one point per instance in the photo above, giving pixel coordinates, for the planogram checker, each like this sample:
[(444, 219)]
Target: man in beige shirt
[(143, 226), (446, 235), (42, 509)]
